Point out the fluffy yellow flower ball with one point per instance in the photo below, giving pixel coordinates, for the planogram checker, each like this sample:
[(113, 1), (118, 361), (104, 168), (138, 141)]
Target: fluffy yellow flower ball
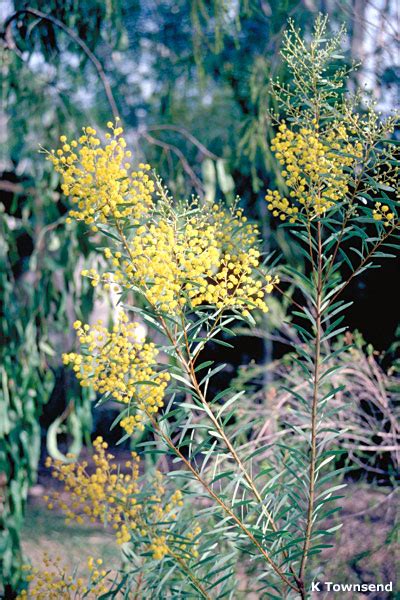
[(99, 179), (314, 167), (115, 496), (118, 362)]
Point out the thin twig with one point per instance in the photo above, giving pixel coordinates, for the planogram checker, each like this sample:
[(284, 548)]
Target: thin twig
[(362, 263), (185, 133), (191, 575), (219, 500), (8, 37), (197, 184)]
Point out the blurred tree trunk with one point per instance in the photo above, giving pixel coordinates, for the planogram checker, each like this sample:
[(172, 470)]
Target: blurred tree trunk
[(358, 31)]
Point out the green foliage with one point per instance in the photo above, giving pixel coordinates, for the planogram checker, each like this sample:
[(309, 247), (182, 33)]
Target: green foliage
[(26, 384), (272, 506), (261, 506), (231, 480)]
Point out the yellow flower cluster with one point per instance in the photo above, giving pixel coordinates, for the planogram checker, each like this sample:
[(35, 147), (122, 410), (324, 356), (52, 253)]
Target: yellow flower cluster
[(281, 206), (234, 231), (121, 364), (159, 547), (209, 259), (163, 544), (99, 179), (164, 257), (93, 275), (233, 285), (238, 282), (54, 583), (190, 549), (382, 213), (106, 495), (314, 169), (113, 496)]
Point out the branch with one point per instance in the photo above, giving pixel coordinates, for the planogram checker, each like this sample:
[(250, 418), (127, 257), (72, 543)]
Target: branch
[(314, 412), (185, 133), (7, 35), (362, 263), (197, 184), (219, 500)]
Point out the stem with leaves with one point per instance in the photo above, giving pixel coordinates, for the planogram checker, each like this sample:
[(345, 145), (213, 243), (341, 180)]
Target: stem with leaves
[(188, 365), (220, 501), (314, 407)]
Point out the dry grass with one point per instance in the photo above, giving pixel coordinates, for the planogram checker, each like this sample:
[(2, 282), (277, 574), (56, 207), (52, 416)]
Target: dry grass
[(366, 548)]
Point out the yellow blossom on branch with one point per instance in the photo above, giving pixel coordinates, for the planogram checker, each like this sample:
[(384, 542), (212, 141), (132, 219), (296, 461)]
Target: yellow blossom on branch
[(177, 261), (99, 179), (114, 496), (315, 165), (164, 257), (104, 495), (204, 260), (122, 364), (53, 582)]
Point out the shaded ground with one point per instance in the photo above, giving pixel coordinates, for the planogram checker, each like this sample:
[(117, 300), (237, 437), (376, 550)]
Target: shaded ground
[(46, 532), (366, 549)]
